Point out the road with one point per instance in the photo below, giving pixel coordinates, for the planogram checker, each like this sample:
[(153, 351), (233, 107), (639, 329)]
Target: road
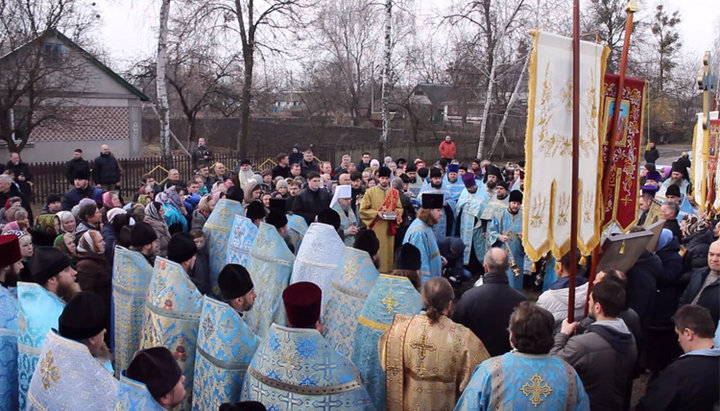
[(670, 153)]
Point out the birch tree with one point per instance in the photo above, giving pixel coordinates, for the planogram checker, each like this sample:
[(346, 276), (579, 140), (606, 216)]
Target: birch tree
[(160, 84), (386, 73)]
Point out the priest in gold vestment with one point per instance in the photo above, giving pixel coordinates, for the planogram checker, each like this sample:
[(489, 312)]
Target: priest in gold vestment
[(428, 358), (379, 204)]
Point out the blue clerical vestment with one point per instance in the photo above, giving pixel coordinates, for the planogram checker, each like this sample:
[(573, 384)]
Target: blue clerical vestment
[(389, 296), (479, 240), (134, 396), (130, 282), (509, 225), (225, 347), (296, 228), (8, 350), (242, 237), (270, 264), (347, 219), (440, 229), (421, 236), (517, 381), (39, 312), (349, 288), (68, 377), (172, 315), (469, 207), (296, 369), (217, 229)]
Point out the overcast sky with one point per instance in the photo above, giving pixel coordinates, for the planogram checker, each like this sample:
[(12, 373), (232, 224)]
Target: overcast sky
[(127, 27)]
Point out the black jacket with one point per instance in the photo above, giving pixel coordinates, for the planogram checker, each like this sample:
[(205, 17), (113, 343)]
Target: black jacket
[(673, 226), (106, 169), (295, 158), (642, 281), (75, 166), (486, 311), (306, 167), (281, 171), (710, 297), (308, 203), (202, 154), (697, 248), (690, 383), (20, 168), (652, 155), (73, 196), (15, 192)]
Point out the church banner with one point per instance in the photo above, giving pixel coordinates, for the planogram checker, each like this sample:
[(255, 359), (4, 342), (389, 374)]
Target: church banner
[(713, 183), (548, 147), (699, 170), (621, 205)]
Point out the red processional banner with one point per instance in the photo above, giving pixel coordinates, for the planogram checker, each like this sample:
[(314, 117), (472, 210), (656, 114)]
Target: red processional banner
[(621, 204)]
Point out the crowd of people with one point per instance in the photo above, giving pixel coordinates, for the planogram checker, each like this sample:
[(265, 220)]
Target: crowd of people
[(308, 285)]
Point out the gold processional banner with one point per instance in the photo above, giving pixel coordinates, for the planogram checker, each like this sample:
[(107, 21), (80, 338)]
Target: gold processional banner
[(548, 147)]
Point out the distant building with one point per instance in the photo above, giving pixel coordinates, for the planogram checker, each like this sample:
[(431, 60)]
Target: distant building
[(94, 108), (448, 103), (290, 101)]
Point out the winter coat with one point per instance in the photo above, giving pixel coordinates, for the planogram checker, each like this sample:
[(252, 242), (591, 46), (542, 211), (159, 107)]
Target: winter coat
[(108, 235), (75, 166), (14, 191), (281, 171), (710, 297), (697, 248), (306, 167), (690, 383), (198, 220), (106, 169), (604, 358), (668, 291), (73, 196), (556, 301), (202, 154), (447, 150), (295, 158), (652, 155), (642, 283), (162, 232), (200, 273), (486, 311), (94, 274), (309, 203)]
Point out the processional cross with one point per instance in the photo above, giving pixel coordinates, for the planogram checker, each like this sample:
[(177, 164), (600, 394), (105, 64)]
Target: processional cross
[(706, 82)]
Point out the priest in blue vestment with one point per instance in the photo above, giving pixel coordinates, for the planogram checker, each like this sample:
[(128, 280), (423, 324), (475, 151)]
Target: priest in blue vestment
[(10, 266), (152, 382), (225, 343), (487, 194), (436, 187), (420, 234), (41, 303), (75, 371), (526, 378), (469, 208), (505, 230), (396, 293), (295, 368), (453, 186), (217, 230)]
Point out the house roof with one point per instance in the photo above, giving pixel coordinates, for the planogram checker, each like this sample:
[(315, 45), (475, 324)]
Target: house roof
[(84, 53), (436, 93)]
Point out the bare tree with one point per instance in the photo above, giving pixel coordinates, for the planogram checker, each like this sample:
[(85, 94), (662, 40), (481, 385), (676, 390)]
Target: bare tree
[(161, 61), (36, 71)]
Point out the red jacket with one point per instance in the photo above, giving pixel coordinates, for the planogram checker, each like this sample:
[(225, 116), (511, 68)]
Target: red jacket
[(447, 150)]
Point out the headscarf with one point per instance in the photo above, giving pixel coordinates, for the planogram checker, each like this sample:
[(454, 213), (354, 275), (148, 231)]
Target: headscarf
[(665, 236), (169, 196), (46, 223), (248, 188), (59, 243), (113, 212), (152, 211), (62, 216), (107, 199), (87, 244), (12, 226), (692, 225)]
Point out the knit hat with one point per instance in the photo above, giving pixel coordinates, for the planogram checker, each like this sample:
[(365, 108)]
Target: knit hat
[(255, 210), (329, 216), (430, 200), (276, 219), (9, 250), (47, 262), (673, 190), (407, 257), (156, 368), (83, 317), (435, 172), (384, 172), (367, 240), (234, 281), (181, 247), (516, 195), (302, 304), (469, 180), (142, 234)]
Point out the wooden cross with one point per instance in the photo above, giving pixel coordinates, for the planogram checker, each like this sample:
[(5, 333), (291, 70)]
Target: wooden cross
[(706, 82), (423, 346)]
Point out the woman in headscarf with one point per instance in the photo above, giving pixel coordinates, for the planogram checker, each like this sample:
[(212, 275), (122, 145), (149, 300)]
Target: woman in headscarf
[(117, 219), (201, 214), (111, 199), (46, 224), (64, 222), (65, 242), (94, 272), (155, 216), (251, 192), (175, 211)]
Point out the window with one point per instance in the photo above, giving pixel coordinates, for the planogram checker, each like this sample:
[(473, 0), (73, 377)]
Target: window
[(52, 53)]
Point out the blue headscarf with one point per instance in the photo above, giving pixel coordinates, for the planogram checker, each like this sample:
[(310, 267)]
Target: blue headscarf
[(665, 237)]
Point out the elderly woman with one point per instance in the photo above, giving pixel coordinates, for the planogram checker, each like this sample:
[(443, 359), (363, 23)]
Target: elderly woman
[(20, 216), (155, 216), (251, 192), (65, 242), (94, 272), (111, 199), (117, 219), (202, 212), (175, 210), (64, 222)]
